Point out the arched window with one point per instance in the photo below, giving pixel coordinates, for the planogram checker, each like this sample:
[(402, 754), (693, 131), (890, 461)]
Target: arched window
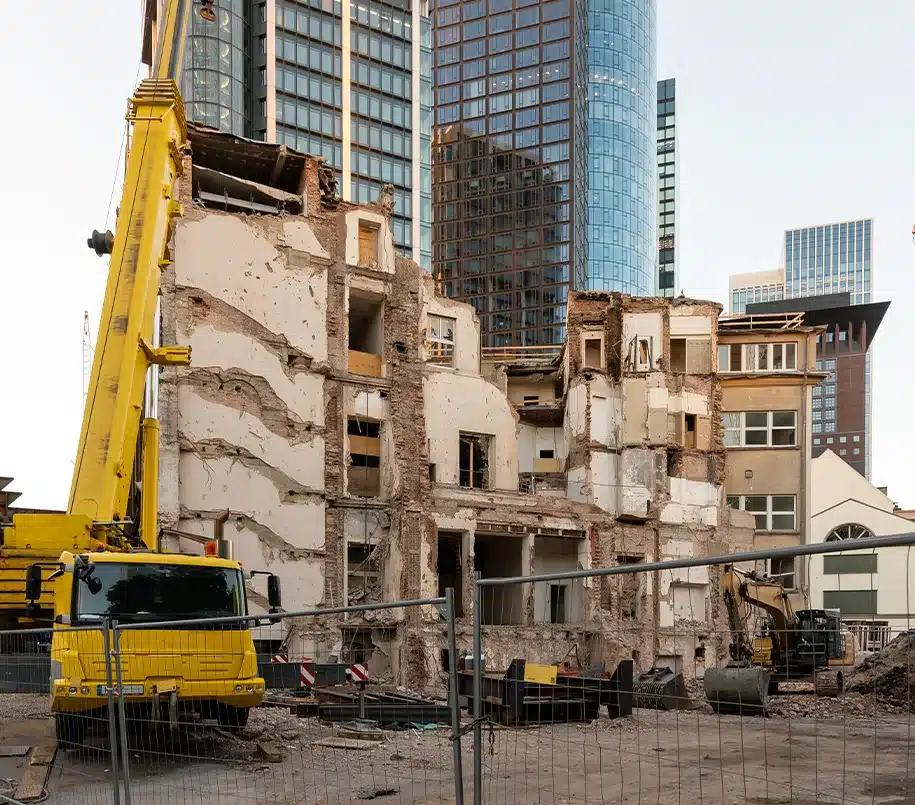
[(848, 531)]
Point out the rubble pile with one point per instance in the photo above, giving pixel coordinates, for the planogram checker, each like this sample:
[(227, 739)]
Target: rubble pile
[(889, 674)]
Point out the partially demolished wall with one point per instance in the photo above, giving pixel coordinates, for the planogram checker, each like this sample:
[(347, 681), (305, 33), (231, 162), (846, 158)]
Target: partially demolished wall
[(341, 469)]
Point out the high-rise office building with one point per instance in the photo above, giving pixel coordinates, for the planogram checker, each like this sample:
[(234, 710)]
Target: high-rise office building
[(355, 88), (757, 286), (667, 187), (834, 261), (622, 183), (543, 157)]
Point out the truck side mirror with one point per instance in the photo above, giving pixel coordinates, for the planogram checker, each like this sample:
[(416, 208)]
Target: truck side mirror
[(33, 582), (274, 597)]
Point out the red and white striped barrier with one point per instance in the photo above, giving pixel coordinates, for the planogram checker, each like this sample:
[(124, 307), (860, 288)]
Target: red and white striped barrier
[(357, 672), (307, 675), (278, 659)]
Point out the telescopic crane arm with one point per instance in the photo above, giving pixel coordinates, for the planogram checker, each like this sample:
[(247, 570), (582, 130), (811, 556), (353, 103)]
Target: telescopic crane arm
[(125, 347)]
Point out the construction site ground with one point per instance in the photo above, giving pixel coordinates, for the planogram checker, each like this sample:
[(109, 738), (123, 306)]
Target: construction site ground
[(845, 751)]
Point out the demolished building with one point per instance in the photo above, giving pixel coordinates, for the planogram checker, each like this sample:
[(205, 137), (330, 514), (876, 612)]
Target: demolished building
[(339, 427)]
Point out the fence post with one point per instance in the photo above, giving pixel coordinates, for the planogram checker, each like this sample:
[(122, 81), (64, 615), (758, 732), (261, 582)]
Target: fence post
[(454, 699), (477, 690), (122, 714), (112, 728)]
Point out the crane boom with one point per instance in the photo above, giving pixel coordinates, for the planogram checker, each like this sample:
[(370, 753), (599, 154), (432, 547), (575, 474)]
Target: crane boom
[(124, 351)]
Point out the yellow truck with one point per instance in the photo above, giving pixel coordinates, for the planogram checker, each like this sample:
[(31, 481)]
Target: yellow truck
[(101, 560)]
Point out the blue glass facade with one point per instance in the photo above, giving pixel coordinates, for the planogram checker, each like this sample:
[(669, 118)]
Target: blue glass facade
[(831, 258), (216, 67), (622, 182)]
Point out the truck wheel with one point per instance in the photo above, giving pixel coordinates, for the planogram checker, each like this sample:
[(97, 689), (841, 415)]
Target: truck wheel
[(70, 730), (229, 716)]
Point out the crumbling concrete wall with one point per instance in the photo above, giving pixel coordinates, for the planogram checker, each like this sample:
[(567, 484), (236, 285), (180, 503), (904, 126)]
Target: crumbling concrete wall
[(243, 427), (258, 428)]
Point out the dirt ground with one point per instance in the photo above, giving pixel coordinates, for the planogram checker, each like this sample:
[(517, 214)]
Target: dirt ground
[(851, 755)]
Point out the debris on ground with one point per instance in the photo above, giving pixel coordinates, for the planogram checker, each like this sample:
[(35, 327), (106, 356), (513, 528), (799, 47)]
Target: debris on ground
[(375, 792), (889, 674), (348, 743), (269, 752)]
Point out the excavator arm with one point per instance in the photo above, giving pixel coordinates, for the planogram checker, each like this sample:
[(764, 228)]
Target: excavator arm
[(746, 587)]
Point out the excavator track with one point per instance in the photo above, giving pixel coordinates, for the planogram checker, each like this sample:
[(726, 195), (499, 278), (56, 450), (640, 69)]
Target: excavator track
[(828, 683)]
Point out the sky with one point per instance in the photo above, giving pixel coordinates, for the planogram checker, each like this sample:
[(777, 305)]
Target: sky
[(789, 113)]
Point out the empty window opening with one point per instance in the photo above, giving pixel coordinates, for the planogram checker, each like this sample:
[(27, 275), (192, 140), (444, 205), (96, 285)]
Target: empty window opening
[(473, 461), (432, 472), (593, 349), (629, 588), (450, 569), (440, 340), (531, 399), (689, 430), (644, 352), (560, 601), (557, 603), (547, 454), (364, 473), (499, 555), (368, 244), (677, 354), (691, 355), (365, 323), (363, 582), (366, 334)]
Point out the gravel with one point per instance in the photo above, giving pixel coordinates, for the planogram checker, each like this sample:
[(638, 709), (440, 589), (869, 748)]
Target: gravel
[(19, 706)]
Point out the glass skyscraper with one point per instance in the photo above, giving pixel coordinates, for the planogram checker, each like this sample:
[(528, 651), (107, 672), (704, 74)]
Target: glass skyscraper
[(667, 187), (280, 71), (824, 259), (622, 185), (543, 157), (830, 258)]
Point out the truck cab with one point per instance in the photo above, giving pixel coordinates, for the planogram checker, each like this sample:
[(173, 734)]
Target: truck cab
[(166, 673)]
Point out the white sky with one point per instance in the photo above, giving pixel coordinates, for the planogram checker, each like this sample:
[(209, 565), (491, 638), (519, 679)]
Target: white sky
[(790, 113)]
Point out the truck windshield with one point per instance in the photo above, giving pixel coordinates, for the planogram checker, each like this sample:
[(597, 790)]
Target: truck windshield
[(158, 592)]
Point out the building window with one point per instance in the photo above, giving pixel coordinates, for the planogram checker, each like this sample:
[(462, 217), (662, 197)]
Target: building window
[(856, 438), (440, 340), (473, 461), (368, 244), (782, 570), (757, 357), (759, 428), (364, 474), (772, 512), (691, 356)]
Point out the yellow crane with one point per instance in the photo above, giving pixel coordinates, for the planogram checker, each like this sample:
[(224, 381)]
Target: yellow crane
[(101, 560)]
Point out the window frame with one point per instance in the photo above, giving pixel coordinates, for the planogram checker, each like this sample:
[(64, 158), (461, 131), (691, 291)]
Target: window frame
[(774, 351), (740, 426), (769, 513)]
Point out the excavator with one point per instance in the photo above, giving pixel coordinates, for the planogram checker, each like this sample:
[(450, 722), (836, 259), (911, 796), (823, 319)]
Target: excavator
[(804, 646), (100, 563)]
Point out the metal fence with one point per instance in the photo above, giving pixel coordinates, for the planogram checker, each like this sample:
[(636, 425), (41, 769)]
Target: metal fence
[(565, 724), (364, 702), (337, 720)]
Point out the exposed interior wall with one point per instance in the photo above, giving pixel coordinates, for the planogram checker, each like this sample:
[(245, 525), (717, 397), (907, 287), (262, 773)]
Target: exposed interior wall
[(261, 426)]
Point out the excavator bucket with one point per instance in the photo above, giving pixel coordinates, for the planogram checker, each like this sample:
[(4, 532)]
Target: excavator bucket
[(661, 689), (737, 690)]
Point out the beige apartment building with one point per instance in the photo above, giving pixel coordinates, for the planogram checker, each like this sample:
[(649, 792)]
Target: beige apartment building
[(767, 372)]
